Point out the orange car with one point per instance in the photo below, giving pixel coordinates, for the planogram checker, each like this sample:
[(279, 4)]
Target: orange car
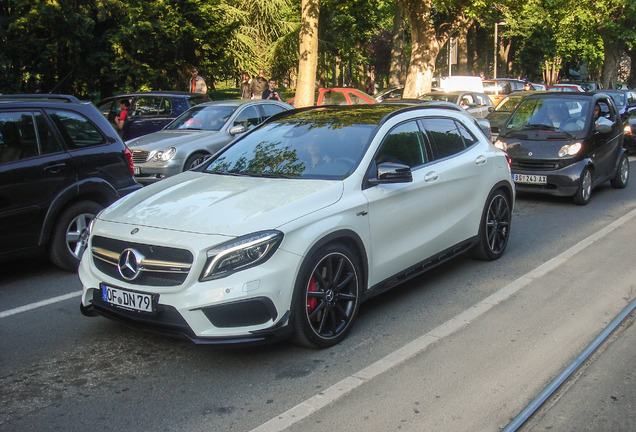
[(340, 96)]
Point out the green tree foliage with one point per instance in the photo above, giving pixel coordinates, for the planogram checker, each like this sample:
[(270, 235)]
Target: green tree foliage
[(84, 46)]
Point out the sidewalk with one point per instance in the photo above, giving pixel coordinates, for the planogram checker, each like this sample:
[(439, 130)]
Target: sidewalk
[(481, 369)]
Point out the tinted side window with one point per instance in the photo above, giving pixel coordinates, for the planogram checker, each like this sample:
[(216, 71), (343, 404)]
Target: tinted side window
[(403, 145), (444, 135), (17, 136), (271, 109), (48, 143), (469, 138), (248, 118), (77, 131)]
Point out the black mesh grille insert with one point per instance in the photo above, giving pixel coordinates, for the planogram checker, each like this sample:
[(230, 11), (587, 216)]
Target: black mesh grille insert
[(242, 313)]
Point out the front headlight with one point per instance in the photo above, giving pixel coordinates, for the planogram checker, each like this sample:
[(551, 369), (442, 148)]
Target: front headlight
[(241, 253), (628, 130), (501, 145), (165, 155), (570, 149)]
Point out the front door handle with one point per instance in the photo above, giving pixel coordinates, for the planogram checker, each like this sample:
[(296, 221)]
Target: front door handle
[(55, 168), (431, 177)]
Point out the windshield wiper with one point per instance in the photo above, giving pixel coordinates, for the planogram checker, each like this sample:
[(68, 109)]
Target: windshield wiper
[(539, 126), (268, 175)]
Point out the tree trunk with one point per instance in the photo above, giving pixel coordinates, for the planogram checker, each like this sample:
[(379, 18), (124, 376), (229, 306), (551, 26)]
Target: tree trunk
[(424, 50), (397, 48), (613, 52), (631, 81), (462, 51), (308, 54)]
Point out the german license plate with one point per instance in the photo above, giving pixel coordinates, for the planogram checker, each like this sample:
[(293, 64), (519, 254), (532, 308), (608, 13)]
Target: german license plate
[(126, 299), (531, 179), (136, 170)]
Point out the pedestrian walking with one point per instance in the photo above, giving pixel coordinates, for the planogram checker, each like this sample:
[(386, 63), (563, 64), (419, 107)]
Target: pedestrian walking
[(197, 83), (245, 87), (258, 86)]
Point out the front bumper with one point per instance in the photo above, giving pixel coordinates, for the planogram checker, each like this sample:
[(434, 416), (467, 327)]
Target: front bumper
[(152, 172), (248, 307), (560, 182)]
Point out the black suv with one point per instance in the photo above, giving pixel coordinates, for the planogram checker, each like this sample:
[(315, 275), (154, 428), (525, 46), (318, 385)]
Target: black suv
[(60, 164), (149, 111)]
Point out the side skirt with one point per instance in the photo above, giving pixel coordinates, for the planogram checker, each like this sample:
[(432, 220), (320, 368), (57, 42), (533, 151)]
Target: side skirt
[(420, 268)]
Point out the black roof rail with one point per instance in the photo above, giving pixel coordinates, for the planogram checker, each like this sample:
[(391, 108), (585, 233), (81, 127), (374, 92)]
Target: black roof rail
[(39, 97)]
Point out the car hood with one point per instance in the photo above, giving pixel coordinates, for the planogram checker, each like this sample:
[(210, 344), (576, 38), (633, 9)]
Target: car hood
[(535, 149), (164, 139), (224, 205)]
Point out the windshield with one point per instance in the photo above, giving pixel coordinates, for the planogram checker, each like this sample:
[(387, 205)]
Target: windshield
[(550, 114), (509, 104), (619, 99), (301, 147), (200, 117)]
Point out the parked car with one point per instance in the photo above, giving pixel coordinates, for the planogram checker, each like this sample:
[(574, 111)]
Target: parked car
[(340, 96), (625, 101), (149, 111), (288, 229), (60, 164), (558, 146), (504, 109), (586, 85), (566, 88), (496, 90), (478, 104), (390, 93), (515, 84), (196, 135)]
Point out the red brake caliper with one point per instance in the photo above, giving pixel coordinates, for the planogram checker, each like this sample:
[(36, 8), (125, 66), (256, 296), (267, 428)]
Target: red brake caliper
[(312, 302)]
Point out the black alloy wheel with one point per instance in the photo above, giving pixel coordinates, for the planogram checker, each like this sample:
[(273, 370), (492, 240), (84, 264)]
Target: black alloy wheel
[(494, 230), (195, 160), (328, 297)]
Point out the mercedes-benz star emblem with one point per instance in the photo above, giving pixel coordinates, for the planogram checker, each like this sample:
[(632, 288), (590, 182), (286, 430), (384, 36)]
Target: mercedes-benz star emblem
[(129, 264)]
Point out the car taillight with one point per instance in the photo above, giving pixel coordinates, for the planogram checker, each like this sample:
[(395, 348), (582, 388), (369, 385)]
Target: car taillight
[(128, 156)]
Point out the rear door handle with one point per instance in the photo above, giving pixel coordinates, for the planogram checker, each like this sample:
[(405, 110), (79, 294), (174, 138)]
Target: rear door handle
[(55, 168), (481, 159)]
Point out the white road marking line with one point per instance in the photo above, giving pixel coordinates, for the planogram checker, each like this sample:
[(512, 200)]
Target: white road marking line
[(347, 385), (39, 304)]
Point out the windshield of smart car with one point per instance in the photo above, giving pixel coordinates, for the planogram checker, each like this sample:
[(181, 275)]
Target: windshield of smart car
[(509, 104), (550, 114), (209, 118), (306, 147)]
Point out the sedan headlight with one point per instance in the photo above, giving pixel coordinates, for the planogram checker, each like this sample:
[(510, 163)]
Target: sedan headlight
[(501, 145), (241, 253), (570, 149), (628, 130), (165, 155)]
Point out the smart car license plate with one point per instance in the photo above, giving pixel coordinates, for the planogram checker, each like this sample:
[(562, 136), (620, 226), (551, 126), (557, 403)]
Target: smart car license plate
[(130, 300), (531, 179), (136, 170)]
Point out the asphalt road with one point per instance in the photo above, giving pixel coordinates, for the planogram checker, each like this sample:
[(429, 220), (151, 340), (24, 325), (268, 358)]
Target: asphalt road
[(62, 371)]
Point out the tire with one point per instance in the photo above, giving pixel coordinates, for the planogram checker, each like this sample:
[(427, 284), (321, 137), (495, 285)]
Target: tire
[(70, 234), (622, 173), (195, 160), (494, 228), (327, 297), (584, 193)]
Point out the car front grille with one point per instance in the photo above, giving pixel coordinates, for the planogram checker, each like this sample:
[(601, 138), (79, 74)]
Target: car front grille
[(536, 165), (158, 265), (140, 156)]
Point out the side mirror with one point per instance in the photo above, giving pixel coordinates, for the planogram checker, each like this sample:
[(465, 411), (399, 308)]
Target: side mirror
[(603, 125), (389, 172), (491, 109), (235, 130)]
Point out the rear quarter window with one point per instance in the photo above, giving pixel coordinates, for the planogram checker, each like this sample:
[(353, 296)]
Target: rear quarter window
[(76, 130)]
